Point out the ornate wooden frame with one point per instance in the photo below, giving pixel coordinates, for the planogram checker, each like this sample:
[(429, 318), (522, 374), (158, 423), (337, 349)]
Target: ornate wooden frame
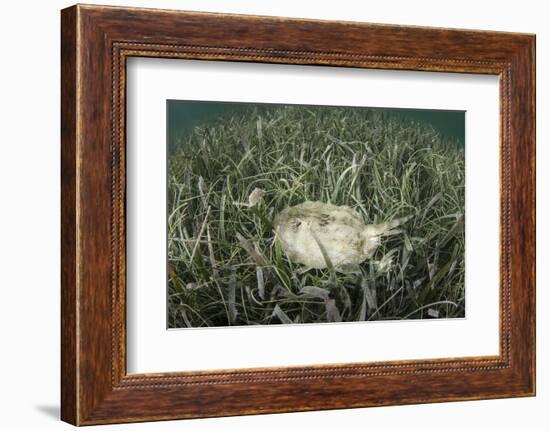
[(96, 41)]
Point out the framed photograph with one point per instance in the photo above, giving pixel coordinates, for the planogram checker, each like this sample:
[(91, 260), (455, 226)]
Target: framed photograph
[(264, 215)]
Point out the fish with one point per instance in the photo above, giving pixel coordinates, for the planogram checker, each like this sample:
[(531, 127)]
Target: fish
[(320, 235)]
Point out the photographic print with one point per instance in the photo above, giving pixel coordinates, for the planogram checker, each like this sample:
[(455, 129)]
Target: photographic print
[(298, 214), (243, 212)]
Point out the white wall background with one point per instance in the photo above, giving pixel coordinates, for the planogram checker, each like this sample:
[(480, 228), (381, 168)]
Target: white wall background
[(29, 215)]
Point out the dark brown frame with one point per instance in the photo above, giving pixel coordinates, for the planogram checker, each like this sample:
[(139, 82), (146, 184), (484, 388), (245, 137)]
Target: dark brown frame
[(96, 41)]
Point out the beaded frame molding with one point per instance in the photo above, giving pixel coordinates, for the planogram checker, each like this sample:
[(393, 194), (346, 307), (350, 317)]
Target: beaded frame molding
[(95, 43)]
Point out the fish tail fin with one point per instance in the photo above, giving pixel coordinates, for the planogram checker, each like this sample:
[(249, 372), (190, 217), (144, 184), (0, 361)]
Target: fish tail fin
[(385, 228)]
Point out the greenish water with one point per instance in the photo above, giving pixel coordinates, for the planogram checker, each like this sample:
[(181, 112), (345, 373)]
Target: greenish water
[(183, 116)]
